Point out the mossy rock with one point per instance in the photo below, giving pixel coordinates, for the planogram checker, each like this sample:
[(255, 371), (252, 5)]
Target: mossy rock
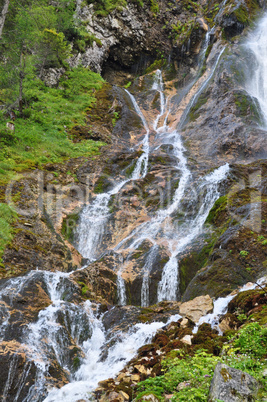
[(246, 301), (217, 210), (69, 225), (218, 279), (248, 107)]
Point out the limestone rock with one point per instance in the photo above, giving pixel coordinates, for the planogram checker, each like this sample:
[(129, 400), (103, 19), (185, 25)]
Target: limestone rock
[(187, 339), (51, 76), (135, 377), (184, 322), (197, 308), (225, 324), (231, 385), (124, 395)]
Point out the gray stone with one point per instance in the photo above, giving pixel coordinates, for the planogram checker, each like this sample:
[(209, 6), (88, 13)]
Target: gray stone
[(51, 76), (231, 385)]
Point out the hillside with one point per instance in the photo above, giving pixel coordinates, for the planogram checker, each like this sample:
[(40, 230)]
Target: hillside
[(132, 181)]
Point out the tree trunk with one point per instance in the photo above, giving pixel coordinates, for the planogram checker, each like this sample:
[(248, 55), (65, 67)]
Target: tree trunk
[(21, 78), (3, 16)]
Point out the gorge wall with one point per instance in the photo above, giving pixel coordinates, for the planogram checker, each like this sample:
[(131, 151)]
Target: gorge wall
[(173, 208)]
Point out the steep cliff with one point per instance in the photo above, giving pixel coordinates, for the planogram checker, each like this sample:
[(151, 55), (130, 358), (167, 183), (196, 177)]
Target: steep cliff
[(173, 207)]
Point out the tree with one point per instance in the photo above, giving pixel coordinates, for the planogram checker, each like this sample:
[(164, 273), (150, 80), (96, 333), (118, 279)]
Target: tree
[(29, 44), (3, 16)]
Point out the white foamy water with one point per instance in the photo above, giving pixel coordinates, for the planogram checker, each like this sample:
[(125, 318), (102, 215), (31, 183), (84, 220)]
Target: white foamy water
[(220, 306), (257, 82), (161, 227)]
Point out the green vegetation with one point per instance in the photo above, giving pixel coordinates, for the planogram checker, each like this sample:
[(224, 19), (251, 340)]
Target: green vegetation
[(154, 6), (68, 226), (36, 120), (182, 31), (194, 113), (246, 351), (41, 132), (158, 64), (219, 206), (104, 7), (195, 372), (7, 217)]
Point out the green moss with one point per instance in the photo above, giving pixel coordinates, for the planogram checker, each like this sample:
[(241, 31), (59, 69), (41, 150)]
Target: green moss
[(100, 184), (105, 7), (242, 15), (130, 169), (193, 115), (68, 226), (154, 7), (76, 362), (247, 107), (158, 64), (219, 206)]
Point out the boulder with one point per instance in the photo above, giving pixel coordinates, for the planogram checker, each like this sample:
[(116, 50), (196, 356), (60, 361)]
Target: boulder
[(231, 385), (197, 308)]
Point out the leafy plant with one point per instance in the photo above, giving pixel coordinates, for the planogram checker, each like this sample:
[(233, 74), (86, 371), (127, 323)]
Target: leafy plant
[(195, 372)]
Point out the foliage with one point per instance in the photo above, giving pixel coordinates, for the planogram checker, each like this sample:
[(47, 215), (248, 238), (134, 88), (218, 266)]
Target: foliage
[(154, 6), (194, 371), (7, 217), (104, 7), (252, 340), (246, 351), (41, 133)]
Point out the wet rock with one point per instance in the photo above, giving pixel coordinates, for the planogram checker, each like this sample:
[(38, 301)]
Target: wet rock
[(196, 308), (225, 324), (97, 282), (231, 385)]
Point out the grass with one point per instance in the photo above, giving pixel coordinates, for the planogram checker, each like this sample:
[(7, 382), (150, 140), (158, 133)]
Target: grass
[(105, 7), (7, 217), (41, 136)]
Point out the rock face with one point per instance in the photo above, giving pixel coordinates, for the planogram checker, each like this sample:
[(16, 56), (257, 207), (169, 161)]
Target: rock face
[(124, 34), (197, 308), (231, 385)]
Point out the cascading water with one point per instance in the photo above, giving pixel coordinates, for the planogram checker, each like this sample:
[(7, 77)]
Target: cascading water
[(257, 82), (65, 326), (62, 328), (95, 216)]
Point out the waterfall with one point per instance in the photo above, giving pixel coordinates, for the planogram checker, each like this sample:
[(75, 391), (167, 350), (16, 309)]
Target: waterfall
[(208, 190), (257, 81), (64, 327), (59, 329)]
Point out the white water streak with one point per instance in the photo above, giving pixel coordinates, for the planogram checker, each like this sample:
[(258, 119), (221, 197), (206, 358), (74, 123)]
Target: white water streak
[(257, 82)]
